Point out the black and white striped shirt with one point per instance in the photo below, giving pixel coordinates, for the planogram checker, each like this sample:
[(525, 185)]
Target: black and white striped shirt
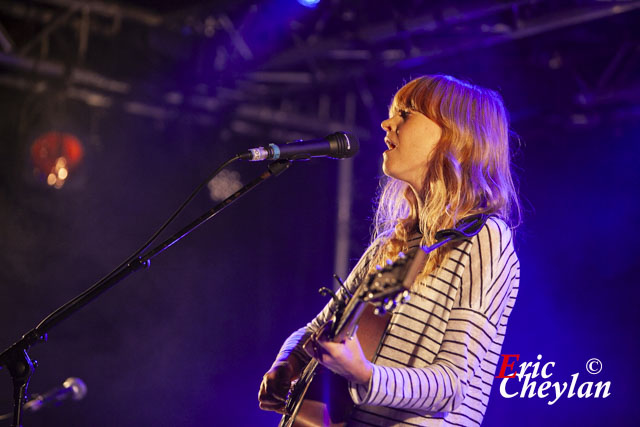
[(439, 353)]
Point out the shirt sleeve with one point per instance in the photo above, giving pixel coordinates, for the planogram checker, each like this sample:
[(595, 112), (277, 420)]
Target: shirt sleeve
[(491, 271), (293, 344)]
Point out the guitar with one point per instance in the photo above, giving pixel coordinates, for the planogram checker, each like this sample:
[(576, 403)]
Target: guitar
[(326, 401)]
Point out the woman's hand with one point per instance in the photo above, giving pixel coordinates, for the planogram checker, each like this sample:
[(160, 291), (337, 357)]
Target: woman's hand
[(276, 384), (344, 358)]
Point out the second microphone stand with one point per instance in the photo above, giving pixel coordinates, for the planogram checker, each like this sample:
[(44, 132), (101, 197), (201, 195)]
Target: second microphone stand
[(16, 358)]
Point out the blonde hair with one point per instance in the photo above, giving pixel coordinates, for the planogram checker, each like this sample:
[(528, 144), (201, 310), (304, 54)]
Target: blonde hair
[(468, 171)]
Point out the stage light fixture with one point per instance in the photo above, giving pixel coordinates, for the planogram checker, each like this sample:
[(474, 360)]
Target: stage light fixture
[(54, 156), (309, 3)]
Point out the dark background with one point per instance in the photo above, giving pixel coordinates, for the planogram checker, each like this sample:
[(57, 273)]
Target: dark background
[(187, 341)]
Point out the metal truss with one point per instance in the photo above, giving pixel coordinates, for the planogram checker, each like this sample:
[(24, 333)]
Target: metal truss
[(315, 83), (327, 62), (408, 42)]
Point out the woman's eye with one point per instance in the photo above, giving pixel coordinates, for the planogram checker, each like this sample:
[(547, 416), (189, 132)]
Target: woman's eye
[(404, 114)]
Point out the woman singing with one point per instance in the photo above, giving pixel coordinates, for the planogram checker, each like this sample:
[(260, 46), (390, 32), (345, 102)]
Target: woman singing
[(447, 158)]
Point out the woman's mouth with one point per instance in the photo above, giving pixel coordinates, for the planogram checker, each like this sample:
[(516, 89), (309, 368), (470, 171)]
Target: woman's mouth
[(390, 145)]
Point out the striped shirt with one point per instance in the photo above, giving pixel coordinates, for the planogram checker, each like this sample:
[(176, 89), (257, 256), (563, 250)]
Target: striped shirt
[(439, 354)]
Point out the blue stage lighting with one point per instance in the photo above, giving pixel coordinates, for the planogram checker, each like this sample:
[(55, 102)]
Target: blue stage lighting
[(309, 3)]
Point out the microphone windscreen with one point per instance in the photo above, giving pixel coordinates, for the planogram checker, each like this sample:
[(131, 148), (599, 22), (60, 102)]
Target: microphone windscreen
[(348, 144)]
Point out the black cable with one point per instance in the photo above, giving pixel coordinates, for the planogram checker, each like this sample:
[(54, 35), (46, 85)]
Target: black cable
[(137, 253)]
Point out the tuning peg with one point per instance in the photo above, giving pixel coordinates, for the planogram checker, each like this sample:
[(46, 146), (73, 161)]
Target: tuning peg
[(389, 262), (401, 255), (378, 267), (402, 298), (324, 291), (379, 311), (341, 283), (390, 305)]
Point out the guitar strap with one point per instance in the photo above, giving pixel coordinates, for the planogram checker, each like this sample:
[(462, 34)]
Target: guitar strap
[(372, 326)]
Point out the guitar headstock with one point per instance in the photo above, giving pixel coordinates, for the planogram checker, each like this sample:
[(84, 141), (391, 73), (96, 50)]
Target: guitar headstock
[(385, 289), (389, 285)]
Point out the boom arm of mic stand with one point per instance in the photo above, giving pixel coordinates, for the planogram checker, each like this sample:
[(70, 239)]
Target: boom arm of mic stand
[(16, 359)]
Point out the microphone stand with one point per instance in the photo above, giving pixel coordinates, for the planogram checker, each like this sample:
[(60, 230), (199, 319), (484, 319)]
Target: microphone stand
[(16, 358)]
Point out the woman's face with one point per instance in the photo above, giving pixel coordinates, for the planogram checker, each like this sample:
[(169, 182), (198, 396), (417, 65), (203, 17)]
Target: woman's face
[(410, 138)]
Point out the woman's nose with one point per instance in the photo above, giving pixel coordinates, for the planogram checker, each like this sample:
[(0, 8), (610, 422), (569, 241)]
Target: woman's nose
[(386, 125)]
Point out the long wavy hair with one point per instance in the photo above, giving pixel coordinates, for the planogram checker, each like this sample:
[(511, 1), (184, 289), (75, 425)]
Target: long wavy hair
[(468, 172)]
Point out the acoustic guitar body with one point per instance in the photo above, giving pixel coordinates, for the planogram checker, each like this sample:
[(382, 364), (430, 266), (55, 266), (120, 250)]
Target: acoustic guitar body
[(326, 402)]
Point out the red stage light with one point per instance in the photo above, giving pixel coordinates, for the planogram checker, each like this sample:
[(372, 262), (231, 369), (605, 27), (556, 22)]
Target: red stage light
[(54, 155)]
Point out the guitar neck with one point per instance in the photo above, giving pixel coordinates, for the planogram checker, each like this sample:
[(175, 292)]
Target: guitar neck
[(345, 326), (406, 276)]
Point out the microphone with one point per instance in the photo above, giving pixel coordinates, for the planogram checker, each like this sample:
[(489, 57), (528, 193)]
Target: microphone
[(72, 387), (338, 145)]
